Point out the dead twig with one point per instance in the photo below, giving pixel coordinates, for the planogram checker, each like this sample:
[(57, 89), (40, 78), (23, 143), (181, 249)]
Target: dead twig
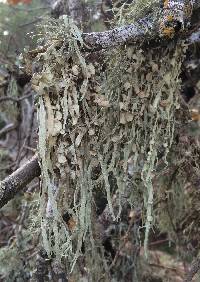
[(6, 129), (13, 99)]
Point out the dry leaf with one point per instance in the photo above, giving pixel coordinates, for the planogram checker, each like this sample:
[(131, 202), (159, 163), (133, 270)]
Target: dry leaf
[(154, 67), (71, 224), (90, 70), (143, 94), (195, 114), (149, 77)]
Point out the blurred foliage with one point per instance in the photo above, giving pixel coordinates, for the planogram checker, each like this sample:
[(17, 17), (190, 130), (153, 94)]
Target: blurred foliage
[(17, 23), (18, 235), (20, 248)]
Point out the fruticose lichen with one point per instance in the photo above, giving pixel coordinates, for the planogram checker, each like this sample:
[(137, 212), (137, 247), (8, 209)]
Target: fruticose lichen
[(100, 125)]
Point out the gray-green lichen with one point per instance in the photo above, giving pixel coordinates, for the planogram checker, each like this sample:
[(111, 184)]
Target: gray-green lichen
[(119, 122)]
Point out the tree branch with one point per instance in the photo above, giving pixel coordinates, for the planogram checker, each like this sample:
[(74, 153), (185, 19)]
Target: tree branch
[(14, 183), (14, 99), (144, 30), (9, 127), (118, 36), (96, 41)]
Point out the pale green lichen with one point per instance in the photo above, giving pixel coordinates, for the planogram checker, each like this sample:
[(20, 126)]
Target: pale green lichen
[(115, 119)]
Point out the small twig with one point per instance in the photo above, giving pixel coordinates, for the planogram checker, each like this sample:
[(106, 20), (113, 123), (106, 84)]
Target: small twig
[(31, 22), (30, 149), (13, 99), (158, 242), (180, 273), (6, 129), (30, 9)]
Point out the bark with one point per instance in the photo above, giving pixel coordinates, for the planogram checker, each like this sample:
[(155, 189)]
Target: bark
[(143, 31), (14, 183), (118, 36)]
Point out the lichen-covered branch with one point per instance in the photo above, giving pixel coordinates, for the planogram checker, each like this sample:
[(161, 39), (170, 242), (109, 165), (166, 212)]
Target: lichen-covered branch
[(145, 29), (126, 34), (14, 183)]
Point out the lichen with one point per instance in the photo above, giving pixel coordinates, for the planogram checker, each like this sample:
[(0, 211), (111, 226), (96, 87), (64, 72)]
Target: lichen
[(117, 123)]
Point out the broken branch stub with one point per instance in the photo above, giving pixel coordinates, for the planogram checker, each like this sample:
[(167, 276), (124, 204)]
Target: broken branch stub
[(14, 183)]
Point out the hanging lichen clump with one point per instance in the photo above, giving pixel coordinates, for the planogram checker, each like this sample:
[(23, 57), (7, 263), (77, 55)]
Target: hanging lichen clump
[(100, 125), (145, 86)]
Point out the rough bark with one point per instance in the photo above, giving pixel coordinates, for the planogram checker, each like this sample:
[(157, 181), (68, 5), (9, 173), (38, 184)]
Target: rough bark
[(118, 36)]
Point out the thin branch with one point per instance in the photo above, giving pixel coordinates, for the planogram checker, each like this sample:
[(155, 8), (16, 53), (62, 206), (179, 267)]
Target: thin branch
[(14, 183), (118, 36), (6, 129), (36, 20), (146, 30), (13, 99)]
